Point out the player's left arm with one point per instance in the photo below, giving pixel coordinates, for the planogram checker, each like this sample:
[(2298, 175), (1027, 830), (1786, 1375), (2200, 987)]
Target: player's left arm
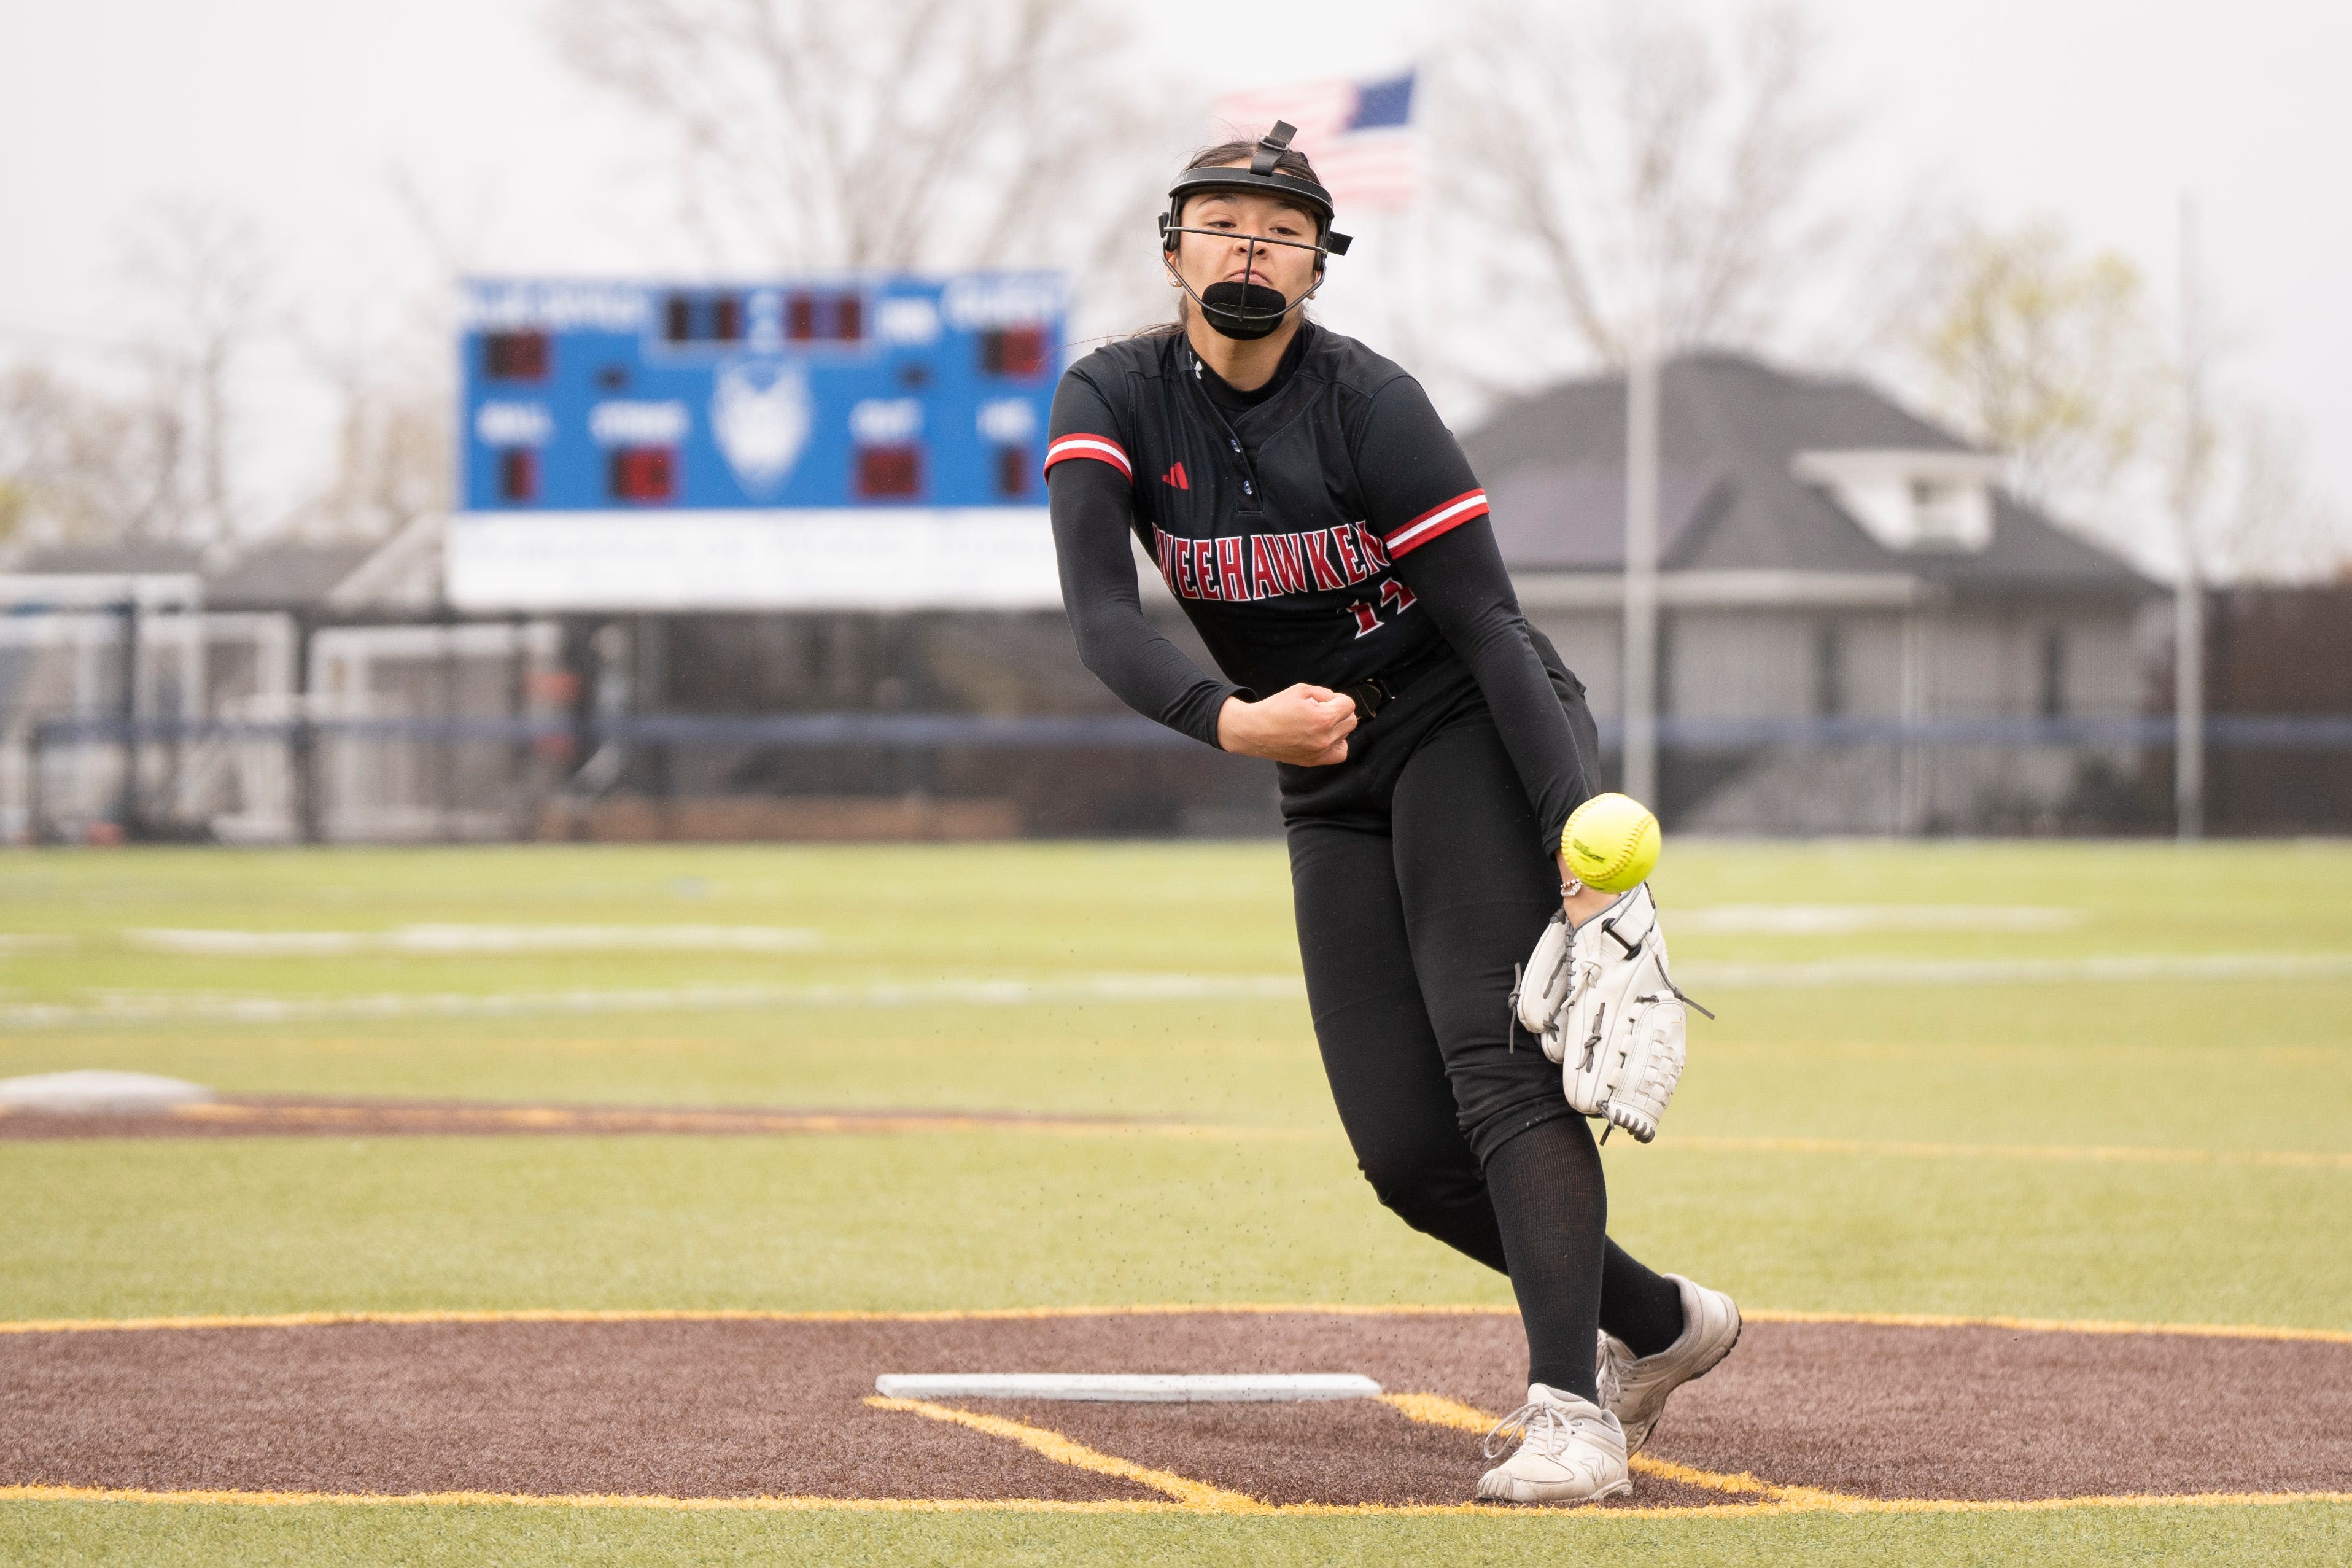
[(1426, 505)]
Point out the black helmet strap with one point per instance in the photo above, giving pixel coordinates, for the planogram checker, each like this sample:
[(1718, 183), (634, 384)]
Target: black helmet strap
[(1271, 147)]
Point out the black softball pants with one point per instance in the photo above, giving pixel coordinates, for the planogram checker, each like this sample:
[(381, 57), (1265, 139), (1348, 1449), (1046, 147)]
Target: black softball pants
[(1409, 930)]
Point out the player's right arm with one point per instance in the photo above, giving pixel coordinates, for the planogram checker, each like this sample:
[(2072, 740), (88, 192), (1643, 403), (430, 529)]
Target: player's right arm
[(1089, 484)]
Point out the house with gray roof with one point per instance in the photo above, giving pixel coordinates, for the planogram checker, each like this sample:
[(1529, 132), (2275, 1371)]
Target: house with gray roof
[(1825, 555)]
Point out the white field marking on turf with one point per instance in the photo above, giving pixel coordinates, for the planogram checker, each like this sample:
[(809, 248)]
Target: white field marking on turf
[(2085, 1153), (1840, 919), (1130, 1388), (475, 939), (139, 1006), (134, 1006), (32, 942), (2135, 969)]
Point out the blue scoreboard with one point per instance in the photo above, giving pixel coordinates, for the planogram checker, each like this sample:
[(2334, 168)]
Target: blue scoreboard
[(641, 444)]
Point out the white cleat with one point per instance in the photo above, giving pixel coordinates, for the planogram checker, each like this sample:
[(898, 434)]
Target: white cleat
[(1635, 1388), (1570, 1450)]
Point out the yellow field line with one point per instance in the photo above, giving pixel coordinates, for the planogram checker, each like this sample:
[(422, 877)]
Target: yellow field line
[(1114, 1505), (1188, 1496), (743, 1315), (2056, 1325), (1062, 1451), (1806, 1499), (1741, 1484), (1140, 1309), (587, 1499), (2090, 1153), (1431, 1409), (1437, 1410)]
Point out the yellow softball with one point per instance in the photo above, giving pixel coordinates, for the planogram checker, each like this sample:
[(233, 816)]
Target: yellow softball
[(1612, 843)]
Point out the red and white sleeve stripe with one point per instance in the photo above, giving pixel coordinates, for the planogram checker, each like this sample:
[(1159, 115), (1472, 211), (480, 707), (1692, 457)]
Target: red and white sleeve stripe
[(1437, 519), (1102, 449)]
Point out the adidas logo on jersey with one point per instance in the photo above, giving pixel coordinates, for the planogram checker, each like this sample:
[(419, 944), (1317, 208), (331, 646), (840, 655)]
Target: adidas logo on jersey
[(1175, 476)]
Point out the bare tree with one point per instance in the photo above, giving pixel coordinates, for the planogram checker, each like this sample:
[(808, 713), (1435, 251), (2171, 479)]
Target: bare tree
[(392, 460), (887, 133), (140, 442), (76, 464), (386, 365), (1642, 179), (2047, 353), (198, 277), (2272, 525), (2052, 355), (145, 438)]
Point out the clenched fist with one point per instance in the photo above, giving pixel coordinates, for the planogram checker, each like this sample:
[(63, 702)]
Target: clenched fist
[(1303, 724)]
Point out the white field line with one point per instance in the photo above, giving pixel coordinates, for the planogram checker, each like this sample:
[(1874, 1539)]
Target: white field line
[(2083, 1153), (134, 1006), (123, 1006), (1823, 974), (33, 942), (476, 939), (1840, 920)]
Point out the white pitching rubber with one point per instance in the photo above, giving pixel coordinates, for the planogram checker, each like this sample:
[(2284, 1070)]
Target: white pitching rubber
[(1128, 1388)]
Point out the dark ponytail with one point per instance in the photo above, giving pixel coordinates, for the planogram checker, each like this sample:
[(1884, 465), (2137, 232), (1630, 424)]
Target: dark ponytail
[(1292, 161)]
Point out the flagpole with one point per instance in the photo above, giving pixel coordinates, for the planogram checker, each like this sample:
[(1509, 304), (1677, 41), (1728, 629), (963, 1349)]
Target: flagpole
[(1640, 763), (2189, 583)]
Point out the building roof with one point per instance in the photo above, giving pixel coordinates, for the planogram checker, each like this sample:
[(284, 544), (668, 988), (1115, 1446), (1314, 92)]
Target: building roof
[(129, 557), (283, 575), (1730, 429), (270, 575)]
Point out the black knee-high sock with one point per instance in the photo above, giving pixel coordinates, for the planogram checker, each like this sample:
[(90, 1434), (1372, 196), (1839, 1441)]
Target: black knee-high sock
[(1553, 1208), (1644, 1309)]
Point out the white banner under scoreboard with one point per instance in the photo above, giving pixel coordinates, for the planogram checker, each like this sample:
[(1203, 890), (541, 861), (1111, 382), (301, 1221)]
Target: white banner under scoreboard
[(866, 558)]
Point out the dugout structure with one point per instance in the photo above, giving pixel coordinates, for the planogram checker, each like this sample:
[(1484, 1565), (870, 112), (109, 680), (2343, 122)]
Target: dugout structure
[(107, 683), (130, 711)]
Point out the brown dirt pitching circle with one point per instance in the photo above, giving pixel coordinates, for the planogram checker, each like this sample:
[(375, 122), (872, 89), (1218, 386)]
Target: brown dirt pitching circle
[(776, 1409)]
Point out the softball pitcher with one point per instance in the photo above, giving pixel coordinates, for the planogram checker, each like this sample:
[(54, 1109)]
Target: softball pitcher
[(1324, 533)]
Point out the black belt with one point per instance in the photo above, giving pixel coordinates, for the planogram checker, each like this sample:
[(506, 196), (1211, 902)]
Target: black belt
[(1375, 692)]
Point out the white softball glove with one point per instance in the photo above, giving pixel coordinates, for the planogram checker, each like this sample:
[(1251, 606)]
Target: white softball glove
[(1600, 1000)]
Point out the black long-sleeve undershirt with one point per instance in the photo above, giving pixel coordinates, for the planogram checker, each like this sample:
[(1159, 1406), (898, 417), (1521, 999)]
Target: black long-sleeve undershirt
[(1093, 510)]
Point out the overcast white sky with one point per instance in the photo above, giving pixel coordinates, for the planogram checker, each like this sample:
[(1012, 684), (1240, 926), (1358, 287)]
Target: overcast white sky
[(2097, 112)]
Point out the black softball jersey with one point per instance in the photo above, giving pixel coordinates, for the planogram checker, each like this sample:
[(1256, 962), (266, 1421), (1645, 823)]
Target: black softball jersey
[(1324, 528)]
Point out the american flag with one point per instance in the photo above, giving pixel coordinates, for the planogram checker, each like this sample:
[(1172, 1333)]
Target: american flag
[(1358, 134)]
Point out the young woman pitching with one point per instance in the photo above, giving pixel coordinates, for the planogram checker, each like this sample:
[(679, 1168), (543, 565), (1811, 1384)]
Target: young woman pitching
[(1327, 538)]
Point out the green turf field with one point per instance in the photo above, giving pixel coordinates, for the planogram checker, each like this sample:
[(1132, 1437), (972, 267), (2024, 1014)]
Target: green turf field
[(2033, 1136)]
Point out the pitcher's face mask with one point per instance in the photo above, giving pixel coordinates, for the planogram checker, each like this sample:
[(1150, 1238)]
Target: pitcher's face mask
[(1248, 310)]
